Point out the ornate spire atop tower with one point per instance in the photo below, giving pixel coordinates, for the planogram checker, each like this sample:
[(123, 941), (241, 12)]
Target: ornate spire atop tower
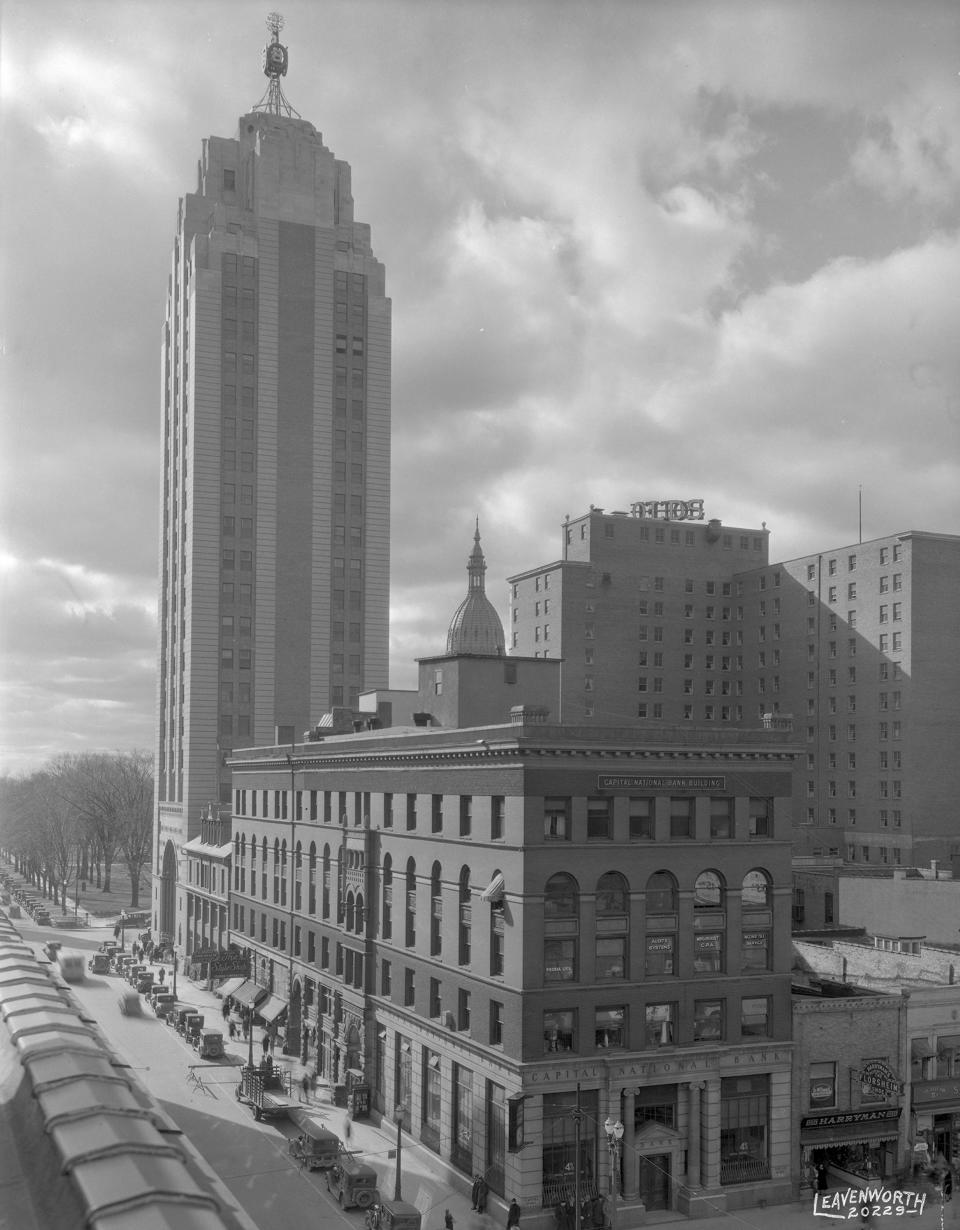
[(476, 627), (275, 61)]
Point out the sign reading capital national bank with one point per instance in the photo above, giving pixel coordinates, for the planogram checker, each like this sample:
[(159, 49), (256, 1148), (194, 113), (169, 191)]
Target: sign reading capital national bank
[(668, 510)]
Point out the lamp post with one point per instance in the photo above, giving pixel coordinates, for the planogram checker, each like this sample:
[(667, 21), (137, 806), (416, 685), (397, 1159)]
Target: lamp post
[(174, 973), (614, 1131), (398, 1115)]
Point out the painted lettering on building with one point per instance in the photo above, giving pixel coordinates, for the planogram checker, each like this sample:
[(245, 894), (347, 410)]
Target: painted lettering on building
[(633, 781), (668, 510)]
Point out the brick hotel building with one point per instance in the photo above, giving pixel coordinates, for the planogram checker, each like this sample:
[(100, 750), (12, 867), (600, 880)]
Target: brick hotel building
[(688, 621)]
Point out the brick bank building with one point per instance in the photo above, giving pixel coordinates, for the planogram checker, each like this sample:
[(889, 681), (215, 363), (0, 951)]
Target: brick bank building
[(509, 933)]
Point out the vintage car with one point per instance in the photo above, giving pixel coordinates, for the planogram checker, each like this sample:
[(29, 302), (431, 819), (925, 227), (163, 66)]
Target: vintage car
[(178, 1018), (99, 963), (209, 1043), (353, 1183), (164, 1005), (393, 1215), (316, 1147), (130, 1003)]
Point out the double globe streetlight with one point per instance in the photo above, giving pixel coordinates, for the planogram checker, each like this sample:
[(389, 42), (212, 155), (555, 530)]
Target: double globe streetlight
[(614, 1131)]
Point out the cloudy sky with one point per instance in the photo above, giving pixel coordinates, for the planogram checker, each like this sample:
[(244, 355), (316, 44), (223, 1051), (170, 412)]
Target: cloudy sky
[(635, 251)]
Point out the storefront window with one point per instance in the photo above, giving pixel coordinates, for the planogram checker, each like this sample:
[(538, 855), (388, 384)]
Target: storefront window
[(559, 1147), (462, 1154), (430, 1127), (744, 1129)]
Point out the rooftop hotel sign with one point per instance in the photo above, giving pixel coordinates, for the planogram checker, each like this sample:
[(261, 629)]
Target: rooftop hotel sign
[(668, 510)]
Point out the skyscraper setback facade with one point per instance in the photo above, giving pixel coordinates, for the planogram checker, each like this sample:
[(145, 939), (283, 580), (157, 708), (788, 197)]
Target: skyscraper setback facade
[(274, 601)]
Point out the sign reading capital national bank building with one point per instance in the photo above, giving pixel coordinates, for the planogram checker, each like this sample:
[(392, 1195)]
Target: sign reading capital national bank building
[(668, 510), (667, 781)]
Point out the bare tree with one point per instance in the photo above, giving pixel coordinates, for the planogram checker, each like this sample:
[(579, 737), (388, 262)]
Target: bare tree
[(134, 785)]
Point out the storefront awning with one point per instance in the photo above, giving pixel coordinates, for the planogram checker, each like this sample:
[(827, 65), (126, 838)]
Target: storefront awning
[(849, 1134), (230, 987), (272, 1007), (494, 890), (920, 1048), (249, 993)]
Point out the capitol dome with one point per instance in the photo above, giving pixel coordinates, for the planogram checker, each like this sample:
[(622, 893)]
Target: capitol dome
[(476, 628)]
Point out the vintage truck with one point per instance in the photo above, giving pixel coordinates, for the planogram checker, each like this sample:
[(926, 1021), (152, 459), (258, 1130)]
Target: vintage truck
[(266, 1090)]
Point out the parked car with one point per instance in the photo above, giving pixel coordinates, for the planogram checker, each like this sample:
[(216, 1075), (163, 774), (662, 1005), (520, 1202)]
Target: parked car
[(209, 1043), (353, 1183), (163, 1005), (99, 963)]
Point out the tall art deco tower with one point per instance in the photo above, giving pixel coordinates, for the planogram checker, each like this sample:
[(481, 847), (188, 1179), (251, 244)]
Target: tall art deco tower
[(276, 464)]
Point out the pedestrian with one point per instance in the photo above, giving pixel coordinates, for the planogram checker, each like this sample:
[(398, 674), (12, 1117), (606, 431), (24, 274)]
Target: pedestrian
[(162, 975), (233, 1029), (447, 1220), (482, 1190), (245, 1026), (116, 931), (474, 1190), (513, 1214), (821, 1177), (225, 1010), (305, 1087), (265, 1043)]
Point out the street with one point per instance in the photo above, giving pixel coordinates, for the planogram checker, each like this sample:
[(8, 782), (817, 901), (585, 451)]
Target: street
[(250, 1158)]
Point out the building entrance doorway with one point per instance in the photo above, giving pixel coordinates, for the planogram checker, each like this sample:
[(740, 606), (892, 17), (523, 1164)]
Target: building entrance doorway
[(654, 1180)]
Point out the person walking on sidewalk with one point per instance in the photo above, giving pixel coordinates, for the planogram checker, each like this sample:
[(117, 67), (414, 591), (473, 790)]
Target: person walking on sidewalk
[(513, 1214), (447, 1220), (305, 1087)]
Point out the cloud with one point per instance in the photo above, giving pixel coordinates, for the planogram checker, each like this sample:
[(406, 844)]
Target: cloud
[(699, 249)]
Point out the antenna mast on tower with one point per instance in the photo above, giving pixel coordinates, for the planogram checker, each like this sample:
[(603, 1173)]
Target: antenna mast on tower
[(275, 60)]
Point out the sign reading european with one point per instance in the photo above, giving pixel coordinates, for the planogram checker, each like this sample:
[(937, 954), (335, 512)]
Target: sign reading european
[(668, 510)]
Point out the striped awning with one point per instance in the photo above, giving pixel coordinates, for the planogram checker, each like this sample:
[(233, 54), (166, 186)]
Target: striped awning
[(249, 993), (850, 1134), (272, 1007), (230, 987), (494, 890)]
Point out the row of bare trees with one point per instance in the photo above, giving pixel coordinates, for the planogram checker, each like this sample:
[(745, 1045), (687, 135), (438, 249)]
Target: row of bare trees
[(73, 819)]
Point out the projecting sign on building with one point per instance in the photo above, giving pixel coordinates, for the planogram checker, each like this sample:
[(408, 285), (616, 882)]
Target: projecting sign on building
[(620, 781), (668, 510)]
